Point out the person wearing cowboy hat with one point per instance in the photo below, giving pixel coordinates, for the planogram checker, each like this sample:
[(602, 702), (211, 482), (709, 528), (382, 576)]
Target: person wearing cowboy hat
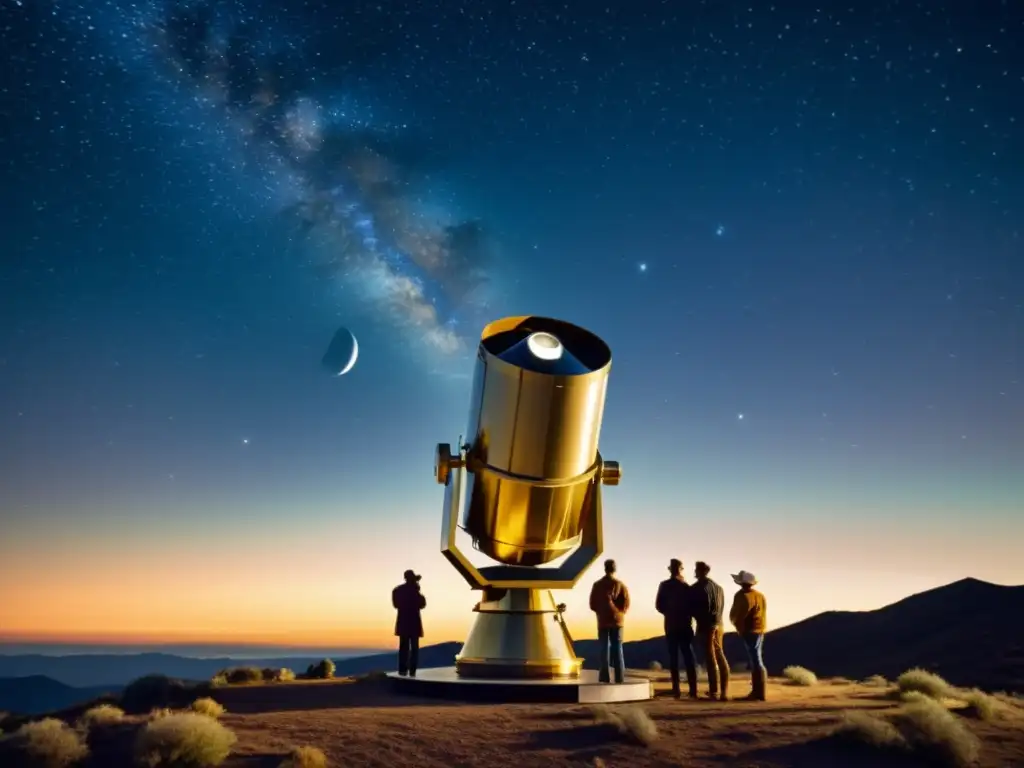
[(749, 615), (408, 601)]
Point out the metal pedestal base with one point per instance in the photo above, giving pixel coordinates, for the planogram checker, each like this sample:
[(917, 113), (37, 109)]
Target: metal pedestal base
[(446, 683), (518, 634)]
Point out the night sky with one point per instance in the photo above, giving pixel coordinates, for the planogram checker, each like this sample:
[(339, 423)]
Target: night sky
[(799, 230)]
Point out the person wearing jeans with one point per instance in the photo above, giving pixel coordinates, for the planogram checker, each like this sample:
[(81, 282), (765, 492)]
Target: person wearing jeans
[(749, 615), (708, 606), (609, 600), (673, 602)]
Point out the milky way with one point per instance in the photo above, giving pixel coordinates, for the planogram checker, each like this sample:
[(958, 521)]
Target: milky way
[(344, 178)]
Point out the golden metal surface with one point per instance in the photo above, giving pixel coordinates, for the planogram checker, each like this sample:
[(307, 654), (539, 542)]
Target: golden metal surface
[(528, 485), (533, 435), (518, 633)]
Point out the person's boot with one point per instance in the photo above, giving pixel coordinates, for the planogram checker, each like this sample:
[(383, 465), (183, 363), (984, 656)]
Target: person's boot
[(761, 691), (754, 683)]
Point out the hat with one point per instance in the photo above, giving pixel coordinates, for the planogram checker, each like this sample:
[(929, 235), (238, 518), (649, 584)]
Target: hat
[(744, 578), (675, 564), (411, 575)]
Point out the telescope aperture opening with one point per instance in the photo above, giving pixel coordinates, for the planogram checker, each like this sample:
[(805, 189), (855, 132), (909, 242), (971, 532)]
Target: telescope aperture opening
[(544, 345)]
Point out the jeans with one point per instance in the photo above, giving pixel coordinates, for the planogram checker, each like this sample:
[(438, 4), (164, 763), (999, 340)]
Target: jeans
[(682, 643), (714, 658), (754, 644), (610, 641), (408, 655)]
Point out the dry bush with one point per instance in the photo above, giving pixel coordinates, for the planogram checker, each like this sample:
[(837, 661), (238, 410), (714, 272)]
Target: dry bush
[(101, 714), (209, 707), (219, 680), (912, 697), (241, 675), (159, 712), (154, 691), (982, 706), (655, 666), (282, 675), (925, 682), (305, 757), (183, 740), (862, 728), (799, 676), (875, 681), (48, 743), (323, 670), (936, 734), (631, 721)]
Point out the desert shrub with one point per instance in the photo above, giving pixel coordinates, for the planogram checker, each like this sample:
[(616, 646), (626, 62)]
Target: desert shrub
[(102, 714), (862, 728), (241, 675), (183, 740), (938, 735), (48, 743), (982, 706), (209, 707), (799, 676), (875, 681), (153, 691), (219, 680), (323, 670), (159, 712), (305, 757), (630, 721), (926, 682), (912, 697), (282, 675), (655, 666)]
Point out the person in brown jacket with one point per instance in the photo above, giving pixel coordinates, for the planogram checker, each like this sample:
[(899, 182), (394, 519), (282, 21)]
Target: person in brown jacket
[(609, 600), (749, 615)]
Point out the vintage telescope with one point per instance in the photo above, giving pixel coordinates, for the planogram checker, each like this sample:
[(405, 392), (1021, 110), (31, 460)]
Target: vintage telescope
[(527, 486)]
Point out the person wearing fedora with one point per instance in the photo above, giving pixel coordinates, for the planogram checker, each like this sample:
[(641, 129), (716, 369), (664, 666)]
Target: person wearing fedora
[(749, 614), (673, 602), (408, 601)]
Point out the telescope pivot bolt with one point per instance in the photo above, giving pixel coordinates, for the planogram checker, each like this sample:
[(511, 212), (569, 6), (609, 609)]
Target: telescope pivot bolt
[(442, 463), (611, 473)]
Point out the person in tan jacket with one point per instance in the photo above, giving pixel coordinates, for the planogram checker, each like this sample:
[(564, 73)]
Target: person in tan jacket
[(609, 600), (749, 615)]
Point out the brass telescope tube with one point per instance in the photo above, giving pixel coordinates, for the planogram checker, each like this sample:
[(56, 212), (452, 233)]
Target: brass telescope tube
[(533, 484)]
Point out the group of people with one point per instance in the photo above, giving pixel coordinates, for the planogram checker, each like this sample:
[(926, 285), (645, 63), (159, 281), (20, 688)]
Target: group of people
[(693, 613)]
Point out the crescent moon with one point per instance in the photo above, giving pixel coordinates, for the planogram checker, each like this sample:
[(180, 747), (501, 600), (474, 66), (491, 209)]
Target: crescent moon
[(352, 360)]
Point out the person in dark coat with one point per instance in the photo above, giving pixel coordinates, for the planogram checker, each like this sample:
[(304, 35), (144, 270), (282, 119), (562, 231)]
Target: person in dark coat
[(708, 608), (408, 601), (673, 602)]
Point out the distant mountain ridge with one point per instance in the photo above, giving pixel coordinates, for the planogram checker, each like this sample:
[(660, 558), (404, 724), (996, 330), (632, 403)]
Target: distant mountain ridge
[(970, 632)]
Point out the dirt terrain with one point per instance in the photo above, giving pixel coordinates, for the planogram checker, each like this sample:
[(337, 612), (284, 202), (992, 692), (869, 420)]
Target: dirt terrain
[(363, 723)]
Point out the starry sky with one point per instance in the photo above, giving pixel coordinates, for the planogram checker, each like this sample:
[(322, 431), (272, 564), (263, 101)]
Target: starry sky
[(798, 229)]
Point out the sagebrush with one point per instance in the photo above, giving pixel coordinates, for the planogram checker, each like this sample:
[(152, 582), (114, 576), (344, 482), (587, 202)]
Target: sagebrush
[(631, 721), (183, 740), (209, 707), (799, 676), (47, 743), (923, 681), (102, 714), (305, 757)]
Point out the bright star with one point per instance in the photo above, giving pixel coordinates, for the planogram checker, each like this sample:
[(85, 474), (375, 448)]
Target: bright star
[(245, 441), (642, 266), (720, 230), (739, 417)]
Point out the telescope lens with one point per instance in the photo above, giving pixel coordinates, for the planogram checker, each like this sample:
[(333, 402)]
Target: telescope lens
[(544, 345)]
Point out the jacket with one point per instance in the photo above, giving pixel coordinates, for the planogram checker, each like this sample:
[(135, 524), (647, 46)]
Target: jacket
[(609, 599), (673, 602), (749, 612), (708, 604), (408, 601)]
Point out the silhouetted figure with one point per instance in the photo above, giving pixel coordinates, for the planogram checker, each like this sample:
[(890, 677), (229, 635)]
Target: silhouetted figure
[(609, 599), (749, 615), (408, 601), (673, 602), (708, 606)]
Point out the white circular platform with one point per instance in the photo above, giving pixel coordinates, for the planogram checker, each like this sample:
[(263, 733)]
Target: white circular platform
[(444, 682)]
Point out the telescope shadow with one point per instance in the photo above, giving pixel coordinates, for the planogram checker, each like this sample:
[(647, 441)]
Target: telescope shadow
[(329, 694)]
